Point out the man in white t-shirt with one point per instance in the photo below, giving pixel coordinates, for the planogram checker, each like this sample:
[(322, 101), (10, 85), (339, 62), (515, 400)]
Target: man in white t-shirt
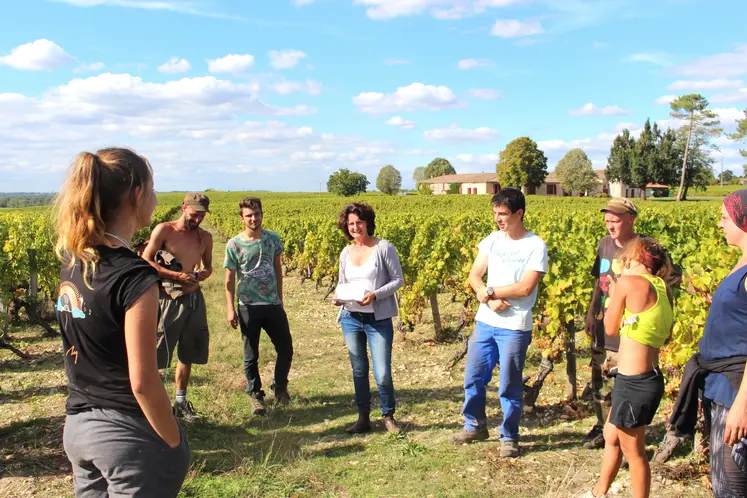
[(515, 260)]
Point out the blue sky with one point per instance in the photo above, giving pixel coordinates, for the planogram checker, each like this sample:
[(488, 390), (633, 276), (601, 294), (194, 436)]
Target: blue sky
[(277, 94)]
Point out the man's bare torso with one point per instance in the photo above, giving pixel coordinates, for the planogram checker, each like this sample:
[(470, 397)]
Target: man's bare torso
[(187, 246)]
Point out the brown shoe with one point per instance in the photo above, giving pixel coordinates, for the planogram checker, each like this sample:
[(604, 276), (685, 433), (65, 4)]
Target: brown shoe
[(258, 403), (282, 398), (466, 437), (391, 424), (362, 425), (509, 449)]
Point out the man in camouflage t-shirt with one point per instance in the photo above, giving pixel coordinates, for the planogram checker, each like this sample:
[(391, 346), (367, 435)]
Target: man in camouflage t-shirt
[(254, 255)]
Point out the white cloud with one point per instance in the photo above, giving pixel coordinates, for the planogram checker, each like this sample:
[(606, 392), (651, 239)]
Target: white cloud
[(439, 9), (93, 67), (191, 124), (731, 97), (288, 87), (465, 64), (715, 84), (396, 62), (408, 98), (301, 3), (598, 44), (657, 58), (484, 94), (400, 123), (39, 55), (721, 65), (513, 28), (174, 65), (592, 110), (232, 63), (454, 133), (285, 59), (666, 99), (475, 159)]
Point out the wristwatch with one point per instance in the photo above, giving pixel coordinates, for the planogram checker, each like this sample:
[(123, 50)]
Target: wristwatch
[(490, 292)]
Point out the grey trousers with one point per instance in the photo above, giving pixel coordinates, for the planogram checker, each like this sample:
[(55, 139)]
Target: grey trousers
[(115, 454), (728, 480)]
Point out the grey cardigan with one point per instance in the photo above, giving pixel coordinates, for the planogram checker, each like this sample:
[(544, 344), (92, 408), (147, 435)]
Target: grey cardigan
[(388, 278)]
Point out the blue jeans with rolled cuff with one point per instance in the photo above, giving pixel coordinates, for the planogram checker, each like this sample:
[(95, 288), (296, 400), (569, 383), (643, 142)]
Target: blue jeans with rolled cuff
[(488, 347), (360, 329)]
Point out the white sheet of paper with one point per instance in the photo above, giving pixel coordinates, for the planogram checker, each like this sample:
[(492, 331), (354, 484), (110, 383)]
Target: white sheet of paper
[(350, 293)]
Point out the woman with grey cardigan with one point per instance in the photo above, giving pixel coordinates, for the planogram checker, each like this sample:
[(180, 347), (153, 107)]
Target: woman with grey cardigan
[(371, 264)]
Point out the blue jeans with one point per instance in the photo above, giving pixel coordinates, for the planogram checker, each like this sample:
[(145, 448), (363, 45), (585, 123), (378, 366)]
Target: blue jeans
[(359, 328), (489, 346)]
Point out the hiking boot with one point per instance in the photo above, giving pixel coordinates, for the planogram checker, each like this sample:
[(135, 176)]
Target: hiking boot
[(391, 424), (509, 449), (667, 447), (185, 411), (282, 398), (258, 403), (594, 440), (362, 425), (466, 437)]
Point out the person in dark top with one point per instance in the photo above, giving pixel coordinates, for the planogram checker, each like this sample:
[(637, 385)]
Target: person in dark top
[(619, 218), (120, 434), (724, 339)]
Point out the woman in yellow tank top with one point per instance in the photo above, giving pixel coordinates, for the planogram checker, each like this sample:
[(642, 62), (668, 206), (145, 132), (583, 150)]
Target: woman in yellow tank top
[(640, 311)]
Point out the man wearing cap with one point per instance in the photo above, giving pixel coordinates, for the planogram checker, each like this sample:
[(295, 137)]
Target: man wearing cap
[(619, 217), (182, 252)]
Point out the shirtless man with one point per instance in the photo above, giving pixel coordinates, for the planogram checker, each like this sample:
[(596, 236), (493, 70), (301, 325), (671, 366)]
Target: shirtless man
[(183, 317)]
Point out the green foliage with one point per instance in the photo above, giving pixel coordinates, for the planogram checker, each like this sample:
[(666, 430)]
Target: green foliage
[(346, 183), (620, 158), (418, 176), (438, 167), (389, 180), (575, 172), (741, 134), (453, 188), (522, 164), (21, 200)]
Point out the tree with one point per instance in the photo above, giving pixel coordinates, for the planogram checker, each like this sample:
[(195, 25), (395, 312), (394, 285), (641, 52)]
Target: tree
[(575, 172), (346, 183), (727, 176), (619, 161), (702, 124), (418, 176), (698, 171), (454, 188), (521, 164), (643, 157), (389, 180), (667, 159), (741, 135), (439, 167)]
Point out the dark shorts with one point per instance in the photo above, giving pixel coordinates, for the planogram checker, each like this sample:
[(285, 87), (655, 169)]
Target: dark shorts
[(635, 399), (183, 326)]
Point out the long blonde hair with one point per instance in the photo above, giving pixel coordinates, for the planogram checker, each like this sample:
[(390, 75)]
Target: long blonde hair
[(93, 192)]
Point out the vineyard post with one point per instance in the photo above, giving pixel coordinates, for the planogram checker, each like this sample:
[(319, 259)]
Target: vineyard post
[(570, 360), (436, 317), (33, 274)]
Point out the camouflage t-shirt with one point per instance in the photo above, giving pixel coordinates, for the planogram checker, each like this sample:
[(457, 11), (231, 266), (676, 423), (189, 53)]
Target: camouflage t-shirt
[(253, 262)]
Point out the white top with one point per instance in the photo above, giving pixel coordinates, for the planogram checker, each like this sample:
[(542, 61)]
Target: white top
[(363, 276), (507, 261)]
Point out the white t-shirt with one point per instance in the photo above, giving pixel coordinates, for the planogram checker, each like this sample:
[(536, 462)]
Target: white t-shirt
[(507, 261), (365, 276)]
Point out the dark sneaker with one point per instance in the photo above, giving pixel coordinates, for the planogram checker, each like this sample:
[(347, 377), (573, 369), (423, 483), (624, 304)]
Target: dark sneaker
[(594, 440), (282, 398), (509, 449), (466, 437), (391, 424), (185, 411), (258, 403), (667, 447)]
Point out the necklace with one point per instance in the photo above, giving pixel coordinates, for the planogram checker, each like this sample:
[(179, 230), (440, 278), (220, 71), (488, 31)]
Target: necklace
[(120, 239)]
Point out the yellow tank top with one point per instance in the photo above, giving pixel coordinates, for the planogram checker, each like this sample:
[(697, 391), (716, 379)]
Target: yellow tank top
[(650, 327)]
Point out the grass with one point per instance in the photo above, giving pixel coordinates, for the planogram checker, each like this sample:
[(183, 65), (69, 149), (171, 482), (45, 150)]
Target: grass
[(302, 450)]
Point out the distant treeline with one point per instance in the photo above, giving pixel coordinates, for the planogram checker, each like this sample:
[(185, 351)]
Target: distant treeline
[(23, 199)]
